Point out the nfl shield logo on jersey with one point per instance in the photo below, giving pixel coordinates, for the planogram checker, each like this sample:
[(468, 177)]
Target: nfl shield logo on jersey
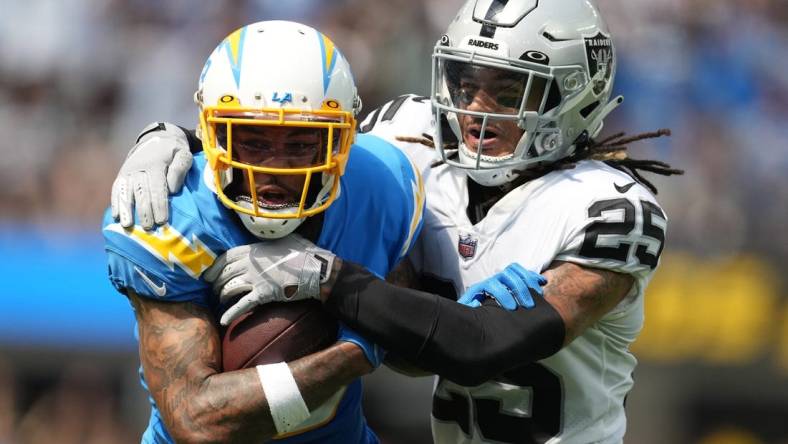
[(467, 246)]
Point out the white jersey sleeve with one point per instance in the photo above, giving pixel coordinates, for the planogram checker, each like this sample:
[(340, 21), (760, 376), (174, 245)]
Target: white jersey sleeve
[(407, 116), (613, 222)]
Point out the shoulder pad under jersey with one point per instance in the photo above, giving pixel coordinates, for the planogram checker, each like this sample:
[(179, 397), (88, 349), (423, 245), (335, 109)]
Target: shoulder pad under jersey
[(405, 122)]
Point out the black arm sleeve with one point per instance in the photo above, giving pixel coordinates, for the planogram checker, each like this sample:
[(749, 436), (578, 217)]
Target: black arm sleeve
[(466, 345)]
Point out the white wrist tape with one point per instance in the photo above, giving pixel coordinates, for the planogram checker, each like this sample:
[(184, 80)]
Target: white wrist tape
[(284, 399)]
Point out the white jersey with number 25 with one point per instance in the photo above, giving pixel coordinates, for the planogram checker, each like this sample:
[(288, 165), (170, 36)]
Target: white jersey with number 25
[(593, 215)]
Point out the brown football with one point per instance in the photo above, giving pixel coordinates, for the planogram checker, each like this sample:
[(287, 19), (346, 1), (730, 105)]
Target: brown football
[(277, 332)]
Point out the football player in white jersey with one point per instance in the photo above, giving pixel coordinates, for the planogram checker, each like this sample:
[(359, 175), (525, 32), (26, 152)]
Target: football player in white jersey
[(520, 92)]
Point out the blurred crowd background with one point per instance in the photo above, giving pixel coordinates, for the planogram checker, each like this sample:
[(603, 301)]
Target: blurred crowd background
[(79, 79)]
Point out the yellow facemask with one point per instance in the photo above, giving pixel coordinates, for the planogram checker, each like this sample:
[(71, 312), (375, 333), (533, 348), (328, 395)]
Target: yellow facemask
[(223, 127)]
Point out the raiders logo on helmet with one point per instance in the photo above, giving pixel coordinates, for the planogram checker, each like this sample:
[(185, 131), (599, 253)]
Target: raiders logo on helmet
[(599, 56)]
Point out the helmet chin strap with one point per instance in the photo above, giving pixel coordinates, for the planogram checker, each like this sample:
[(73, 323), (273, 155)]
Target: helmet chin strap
[(488, 177)]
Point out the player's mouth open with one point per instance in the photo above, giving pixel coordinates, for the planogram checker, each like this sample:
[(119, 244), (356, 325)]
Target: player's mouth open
[(474, 133), (273, 197)]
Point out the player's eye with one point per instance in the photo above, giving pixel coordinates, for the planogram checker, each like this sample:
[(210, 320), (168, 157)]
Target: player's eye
[(466, 93), (509, 98), (302, 149), (509, 94), (257, 150)]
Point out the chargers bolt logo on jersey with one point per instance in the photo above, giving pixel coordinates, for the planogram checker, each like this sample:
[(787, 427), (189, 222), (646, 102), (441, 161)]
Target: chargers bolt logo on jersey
[(467, 246), (171, 247)]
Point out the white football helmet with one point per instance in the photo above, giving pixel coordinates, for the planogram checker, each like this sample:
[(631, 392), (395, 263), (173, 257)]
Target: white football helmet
[(546, 66), (276, 77)]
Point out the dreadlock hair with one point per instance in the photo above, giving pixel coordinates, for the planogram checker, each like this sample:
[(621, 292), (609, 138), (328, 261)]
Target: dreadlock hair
[(612, 150), (425, 140)]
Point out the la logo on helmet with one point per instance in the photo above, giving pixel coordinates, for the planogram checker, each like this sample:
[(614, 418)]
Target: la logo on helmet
[(287, 97)]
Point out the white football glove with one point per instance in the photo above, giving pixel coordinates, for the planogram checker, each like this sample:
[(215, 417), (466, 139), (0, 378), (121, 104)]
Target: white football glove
[(158, 163), (260, 273)]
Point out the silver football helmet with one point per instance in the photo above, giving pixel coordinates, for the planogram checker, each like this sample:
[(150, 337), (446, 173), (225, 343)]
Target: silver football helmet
[(521, 83)]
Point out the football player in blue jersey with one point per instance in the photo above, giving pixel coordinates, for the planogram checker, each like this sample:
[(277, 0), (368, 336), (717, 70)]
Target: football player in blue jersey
[(277, 106)]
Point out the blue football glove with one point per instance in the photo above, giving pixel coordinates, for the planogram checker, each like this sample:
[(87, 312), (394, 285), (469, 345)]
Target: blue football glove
[(513, 287), (374, 354)]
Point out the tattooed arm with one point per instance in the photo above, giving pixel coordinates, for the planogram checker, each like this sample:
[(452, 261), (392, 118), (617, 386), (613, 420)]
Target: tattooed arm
[(582, 295), (180, 351)]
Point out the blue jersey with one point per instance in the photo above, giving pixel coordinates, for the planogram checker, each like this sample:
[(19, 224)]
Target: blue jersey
[(373, 222)]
